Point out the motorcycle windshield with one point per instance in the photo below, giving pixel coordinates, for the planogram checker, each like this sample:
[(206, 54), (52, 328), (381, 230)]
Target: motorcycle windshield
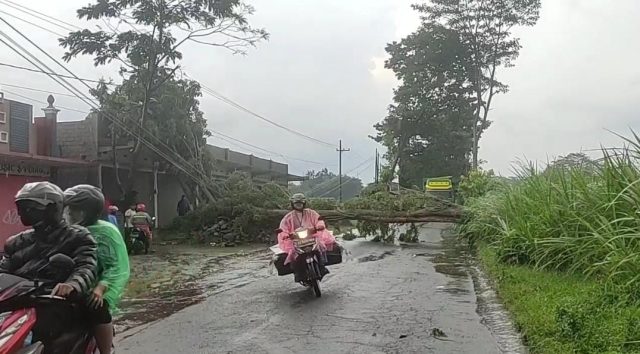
[(9, 281)]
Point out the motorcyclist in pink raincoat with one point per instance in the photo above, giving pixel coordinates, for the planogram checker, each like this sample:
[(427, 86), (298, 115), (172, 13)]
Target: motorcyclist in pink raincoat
[(301, 218)]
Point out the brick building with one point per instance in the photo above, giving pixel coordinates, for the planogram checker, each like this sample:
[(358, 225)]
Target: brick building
[(28, 153)]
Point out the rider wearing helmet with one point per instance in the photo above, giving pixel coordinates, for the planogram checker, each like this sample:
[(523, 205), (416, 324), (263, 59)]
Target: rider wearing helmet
[(83, 206), (301, 218), (142, 220), (40, 206)]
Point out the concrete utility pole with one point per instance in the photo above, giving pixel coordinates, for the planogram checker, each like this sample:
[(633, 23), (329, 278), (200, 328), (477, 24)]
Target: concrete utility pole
[(340, 151), (377, 167)]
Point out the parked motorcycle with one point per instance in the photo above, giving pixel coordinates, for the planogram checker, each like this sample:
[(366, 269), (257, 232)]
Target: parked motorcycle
[(32, 321)]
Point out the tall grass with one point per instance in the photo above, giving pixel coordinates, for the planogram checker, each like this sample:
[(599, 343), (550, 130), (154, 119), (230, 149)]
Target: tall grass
[(568, 219)]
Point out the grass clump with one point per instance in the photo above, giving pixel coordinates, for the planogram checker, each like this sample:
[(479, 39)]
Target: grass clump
[(567, 219), (563, 244)]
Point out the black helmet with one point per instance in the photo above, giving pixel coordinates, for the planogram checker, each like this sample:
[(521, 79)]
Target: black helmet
[(39, 203), (42, 193), (85, 198)]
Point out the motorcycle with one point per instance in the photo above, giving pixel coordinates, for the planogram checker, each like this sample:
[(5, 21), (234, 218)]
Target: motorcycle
[(32, 321), (139, 241), (308, 253)]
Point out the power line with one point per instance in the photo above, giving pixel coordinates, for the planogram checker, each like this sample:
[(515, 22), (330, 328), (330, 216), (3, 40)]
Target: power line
[(267, 151), (208, 90), (31, 12), (74, 77), (38, 90), (74, 90), (50, 73), (339, 183), (43, 102), (238, 106), (32, 24)]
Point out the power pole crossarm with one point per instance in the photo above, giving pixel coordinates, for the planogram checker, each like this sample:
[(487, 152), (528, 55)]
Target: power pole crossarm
[(340, 151)]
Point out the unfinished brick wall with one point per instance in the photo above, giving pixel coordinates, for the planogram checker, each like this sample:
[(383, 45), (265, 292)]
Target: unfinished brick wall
[(78, 139)]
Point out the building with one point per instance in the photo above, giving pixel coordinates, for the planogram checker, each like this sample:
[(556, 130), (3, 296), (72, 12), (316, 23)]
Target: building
[(27, 154), (87, 140)]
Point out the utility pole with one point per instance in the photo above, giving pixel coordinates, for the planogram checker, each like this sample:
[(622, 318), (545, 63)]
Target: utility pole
[(340, 151), (377, 167)]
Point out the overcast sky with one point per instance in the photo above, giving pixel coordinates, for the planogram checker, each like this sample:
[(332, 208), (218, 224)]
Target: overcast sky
[(322, 73)]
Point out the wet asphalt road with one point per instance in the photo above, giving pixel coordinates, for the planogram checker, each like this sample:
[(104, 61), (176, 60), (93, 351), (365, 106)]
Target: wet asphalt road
[(381, 299)]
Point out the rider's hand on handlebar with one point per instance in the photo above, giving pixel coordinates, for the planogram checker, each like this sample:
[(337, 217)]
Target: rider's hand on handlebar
[(62, 290)]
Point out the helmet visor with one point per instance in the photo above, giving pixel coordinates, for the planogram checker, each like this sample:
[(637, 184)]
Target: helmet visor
[(73, 216)]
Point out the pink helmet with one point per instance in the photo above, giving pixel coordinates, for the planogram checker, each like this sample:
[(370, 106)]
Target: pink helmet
[(141, 207)]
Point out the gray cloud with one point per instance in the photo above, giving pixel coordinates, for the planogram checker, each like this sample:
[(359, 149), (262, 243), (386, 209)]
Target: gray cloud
[(320, 74)]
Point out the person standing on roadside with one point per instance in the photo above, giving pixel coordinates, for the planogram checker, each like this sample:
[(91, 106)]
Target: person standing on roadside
[(183, 206)]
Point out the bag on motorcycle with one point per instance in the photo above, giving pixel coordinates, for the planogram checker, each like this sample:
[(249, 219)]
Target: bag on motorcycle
[(334, 256), (278, 261)]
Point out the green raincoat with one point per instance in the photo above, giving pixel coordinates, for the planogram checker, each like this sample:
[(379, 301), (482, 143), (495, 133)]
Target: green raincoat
[(113, 262)]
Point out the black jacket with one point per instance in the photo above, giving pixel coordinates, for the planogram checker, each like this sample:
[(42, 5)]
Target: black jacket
[(27, 252)]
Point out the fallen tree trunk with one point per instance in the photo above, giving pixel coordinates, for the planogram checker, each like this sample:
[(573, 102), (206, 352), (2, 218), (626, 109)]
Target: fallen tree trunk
[(425, 215)]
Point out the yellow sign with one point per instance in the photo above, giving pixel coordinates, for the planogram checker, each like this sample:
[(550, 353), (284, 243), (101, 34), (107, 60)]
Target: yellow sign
[(438, 184)]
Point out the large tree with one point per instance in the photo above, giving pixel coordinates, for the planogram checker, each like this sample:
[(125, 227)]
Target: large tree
[(175, 119), (428, 131), (485, 27), (149, 53)]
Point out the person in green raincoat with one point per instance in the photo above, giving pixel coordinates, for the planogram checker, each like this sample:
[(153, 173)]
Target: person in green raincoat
[(83, 206)]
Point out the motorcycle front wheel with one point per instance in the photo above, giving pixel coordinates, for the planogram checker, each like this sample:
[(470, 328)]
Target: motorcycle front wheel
[(316, 287), (314, 273)]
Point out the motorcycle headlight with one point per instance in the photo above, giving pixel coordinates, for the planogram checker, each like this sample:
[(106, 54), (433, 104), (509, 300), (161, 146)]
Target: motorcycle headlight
[(302, 233)]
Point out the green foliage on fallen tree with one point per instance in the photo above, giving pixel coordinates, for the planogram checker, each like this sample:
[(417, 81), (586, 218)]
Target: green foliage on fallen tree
[(243, 204), (376, 197)]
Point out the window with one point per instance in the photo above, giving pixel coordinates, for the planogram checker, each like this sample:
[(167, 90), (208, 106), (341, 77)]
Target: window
[(3, 117), (4, 137)]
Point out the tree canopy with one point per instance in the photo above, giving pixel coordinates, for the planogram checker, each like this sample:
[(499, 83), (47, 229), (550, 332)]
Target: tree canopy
[(485, 28), (428, 130), (151, 101)]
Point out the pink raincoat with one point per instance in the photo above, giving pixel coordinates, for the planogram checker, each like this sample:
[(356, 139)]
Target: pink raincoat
[(307, 219)]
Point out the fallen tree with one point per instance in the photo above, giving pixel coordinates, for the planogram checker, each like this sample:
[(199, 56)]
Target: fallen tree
[(250, 213)]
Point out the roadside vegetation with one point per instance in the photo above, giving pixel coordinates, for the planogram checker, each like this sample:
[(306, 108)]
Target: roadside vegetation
[(563, 245)]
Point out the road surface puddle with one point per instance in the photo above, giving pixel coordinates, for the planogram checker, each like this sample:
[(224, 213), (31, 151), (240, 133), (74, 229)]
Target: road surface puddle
[(458, 266), (171, 280)]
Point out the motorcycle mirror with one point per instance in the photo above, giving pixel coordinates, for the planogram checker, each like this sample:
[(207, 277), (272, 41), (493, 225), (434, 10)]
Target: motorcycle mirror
[(61, 261)]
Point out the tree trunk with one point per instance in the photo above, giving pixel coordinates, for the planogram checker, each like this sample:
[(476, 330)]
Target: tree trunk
[(444, 215)]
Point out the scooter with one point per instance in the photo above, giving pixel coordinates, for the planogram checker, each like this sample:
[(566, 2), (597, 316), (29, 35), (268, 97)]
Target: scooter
[(32, 321)]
